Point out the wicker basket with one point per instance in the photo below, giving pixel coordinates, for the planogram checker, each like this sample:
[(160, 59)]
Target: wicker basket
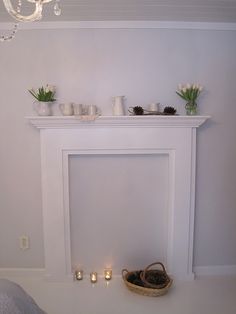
[(145, 285)]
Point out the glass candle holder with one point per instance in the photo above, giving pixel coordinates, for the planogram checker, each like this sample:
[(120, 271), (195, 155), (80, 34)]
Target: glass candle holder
[(79, 274), (107, 274), (93, 277)]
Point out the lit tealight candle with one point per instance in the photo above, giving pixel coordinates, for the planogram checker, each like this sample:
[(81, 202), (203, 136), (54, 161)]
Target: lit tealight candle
[(93, 277), (108, 273), (79, 274)]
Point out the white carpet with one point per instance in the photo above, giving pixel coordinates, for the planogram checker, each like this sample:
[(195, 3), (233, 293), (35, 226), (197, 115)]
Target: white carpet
[(207, 295)]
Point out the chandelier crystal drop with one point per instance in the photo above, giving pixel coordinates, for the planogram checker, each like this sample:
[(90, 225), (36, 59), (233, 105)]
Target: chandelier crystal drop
[(11, 35), (57, 8)]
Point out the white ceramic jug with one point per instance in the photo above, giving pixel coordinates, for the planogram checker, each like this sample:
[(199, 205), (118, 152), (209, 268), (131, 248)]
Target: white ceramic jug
[(67, 109), (118, 106)]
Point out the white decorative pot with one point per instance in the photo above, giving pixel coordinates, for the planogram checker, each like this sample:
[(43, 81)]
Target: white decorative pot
[(43, 108)]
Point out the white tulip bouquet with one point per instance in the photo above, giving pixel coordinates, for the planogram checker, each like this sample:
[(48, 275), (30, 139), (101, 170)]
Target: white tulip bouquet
[(189, 92), (45, 94)]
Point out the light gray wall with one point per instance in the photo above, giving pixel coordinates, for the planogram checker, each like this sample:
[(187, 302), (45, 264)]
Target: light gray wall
[(90, 66), (118, 210)]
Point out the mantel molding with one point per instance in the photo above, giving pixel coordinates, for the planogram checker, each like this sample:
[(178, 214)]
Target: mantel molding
[(179, 25), (73, 122)]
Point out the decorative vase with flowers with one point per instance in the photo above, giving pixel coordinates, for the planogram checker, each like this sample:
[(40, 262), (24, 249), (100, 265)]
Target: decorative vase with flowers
[(44, 96), (190, 93)]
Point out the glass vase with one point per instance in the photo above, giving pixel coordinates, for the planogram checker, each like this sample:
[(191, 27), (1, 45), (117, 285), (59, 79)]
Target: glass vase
[(191, 108)]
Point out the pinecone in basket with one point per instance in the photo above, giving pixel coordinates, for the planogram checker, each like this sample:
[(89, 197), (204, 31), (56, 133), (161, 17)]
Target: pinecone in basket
[(156, 277), (134, 278)]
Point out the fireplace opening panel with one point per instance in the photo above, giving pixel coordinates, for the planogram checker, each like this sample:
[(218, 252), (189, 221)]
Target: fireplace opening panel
[(118, 210)]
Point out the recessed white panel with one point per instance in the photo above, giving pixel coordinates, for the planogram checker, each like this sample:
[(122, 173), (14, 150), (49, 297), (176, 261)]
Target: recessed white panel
[(118, 210)]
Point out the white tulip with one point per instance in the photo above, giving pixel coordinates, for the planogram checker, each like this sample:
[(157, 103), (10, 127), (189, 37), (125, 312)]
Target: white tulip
[(188, 86), (180, 86), (50, 88)]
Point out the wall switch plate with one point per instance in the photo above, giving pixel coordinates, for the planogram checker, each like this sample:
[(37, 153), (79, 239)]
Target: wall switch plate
[(24, 242)]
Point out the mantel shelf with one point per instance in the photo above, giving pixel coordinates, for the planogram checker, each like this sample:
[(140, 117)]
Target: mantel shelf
[(73, 122)]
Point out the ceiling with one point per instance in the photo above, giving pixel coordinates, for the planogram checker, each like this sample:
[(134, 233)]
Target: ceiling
[(137, 10)]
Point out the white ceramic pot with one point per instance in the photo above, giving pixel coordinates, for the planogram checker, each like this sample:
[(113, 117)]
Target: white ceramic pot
[(43, 108)]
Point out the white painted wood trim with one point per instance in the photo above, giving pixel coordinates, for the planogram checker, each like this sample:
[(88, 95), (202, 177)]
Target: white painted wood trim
[(218, 270), (64, 136), (192, 198), (22, 272), (72, 122), (123, 25)]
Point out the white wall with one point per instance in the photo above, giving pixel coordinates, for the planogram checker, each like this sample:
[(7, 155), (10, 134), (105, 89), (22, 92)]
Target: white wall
[(90, 66)]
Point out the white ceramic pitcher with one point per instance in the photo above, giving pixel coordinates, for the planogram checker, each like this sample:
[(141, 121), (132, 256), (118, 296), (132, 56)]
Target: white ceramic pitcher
[(118, 106), (67, 109)]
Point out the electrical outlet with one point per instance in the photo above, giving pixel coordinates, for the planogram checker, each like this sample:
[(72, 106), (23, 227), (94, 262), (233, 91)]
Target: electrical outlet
[(24, 242)]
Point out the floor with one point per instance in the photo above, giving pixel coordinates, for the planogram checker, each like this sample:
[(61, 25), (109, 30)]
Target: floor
[(206, 295)]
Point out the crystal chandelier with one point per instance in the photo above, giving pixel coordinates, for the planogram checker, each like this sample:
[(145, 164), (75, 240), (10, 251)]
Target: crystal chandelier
[(35, 16)]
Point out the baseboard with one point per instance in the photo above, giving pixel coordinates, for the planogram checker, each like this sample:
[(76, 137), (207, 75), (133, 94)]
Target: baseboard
[(218, 270), (22, 272)]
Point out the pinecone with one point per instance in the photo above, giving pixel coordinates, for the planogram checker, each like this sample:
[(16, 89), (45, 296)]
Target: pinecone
[(138, 110), (169, 110)]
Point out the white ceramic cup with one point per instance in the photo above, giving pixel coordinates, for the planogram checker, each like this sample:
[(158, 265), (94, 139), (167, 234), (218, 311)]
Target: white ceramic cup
[(78, 109), (67, 109), (153, 107), (92, 110)]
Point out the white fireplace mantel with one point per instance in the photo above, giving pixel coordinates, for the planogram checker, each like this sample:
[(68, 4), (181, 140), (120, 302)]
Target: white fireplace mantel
[(72, 122), (62, 137)]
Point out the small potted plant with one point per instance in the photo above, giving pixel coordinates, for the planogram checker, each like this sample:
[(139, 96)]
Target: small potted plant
[(190, 93), (44, 96)]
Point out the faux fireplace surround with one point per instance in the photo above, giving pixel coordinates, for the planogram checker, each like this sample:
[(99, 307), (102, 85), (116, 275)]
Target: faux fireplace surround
[(62, 137)]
